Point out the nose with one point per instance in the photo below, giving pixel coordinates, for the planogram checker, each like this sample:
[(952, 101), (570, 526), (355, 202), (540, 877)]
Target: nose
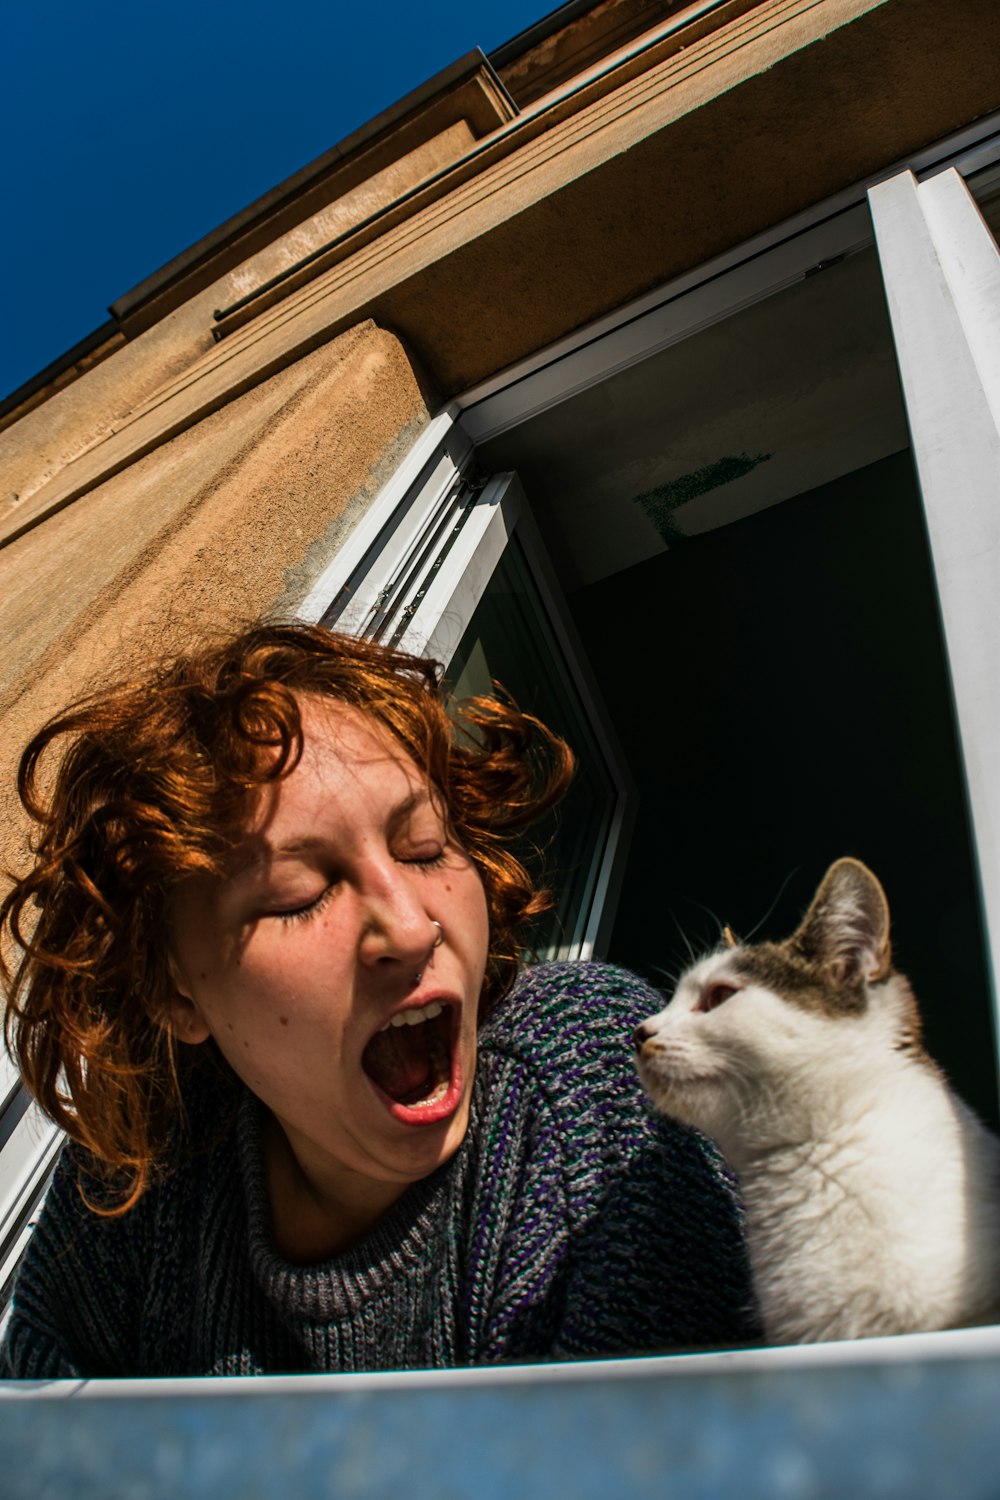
[(396, 926), (641, 1034)]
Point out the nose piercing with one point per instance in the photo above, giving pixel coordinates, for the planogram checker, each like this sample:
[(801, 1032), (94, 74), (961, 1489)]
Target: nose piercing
[(436, 944)]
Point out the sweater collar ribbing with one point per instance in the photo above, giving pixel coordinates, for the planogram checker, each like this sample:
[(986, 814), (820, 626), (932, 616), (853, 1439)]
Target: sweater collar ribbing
[(405, 1242)]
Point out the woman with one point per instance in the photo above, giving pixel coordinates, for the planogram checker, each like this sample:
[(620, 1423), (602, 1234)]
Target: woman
[(321, 1118)]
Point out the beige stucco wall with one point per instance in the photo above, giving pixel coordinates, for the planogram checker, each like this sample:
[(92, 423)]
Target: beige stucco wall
[(232, 518)]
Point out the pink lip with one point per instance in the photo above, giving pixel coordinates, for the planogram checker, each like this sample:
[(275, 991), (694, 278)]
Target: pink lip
[(445, 1107)]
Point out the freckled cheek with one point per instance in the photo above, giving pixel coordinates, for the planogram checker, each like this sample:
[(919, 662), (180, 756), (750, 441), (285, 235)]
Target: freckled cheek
[(264, 1065)]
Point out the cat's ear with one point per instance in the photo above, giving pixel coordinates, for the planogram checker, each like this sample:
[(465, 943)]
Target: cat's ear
[(846, 929)]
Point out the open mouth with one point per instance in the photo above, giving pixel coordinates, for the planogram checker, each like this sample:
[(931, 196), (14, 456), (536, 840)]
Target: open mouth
[(410, 1059)]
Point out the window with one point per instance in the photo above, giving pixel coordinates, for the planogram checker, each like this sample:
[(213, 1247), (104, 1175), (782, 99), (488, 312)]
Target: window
[(752, 552), (942, 271), (738, 523)]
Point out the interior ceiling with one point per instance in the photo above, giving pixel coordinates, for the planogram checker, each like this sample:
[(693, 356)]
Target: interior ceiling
[(785, 395)]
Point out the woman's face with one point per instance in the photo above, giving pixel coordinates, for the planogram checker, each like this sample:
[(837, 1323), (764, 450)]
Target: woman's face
[(319, 967)]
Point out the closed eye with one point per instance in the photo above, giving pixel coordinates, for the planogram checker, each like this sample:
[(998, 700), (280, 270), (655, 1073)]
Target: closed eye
[(715, 995), (425, 861), (305, 911), (309, 909)]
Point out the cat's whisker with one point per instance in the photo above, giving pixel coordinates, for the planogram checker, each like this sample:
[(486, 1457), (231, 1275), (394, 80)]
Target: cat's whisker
[(692, 956), (782, 888), (671, 978), (717, 923)]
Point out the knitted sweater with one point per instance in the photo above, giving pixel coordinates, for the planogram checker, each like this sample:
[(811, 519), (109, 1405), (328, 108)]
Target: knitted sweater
[(572, 1222)]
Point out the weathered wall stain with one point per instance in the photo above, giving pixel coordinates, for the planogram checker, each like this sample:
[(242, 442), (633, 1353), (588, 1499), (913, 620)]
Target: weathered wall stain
[(661, 502)]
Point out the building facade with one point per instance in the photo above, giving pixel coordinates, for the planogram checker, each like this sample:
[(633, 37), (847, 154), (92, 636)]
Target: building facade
[(650, 366)]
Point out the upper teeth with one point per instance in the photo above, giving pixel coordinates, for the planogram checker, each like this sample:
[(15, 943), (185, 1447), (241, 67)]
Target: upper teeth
[(415, 1015)]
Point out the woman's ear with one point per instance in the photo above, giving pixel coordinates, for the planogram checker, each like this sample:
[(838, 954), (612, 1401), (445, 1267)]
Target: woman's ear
[(182, 1016)]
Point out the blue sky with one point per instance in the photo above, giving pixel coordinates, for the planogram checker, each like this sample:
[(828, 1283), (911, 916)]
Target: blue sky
[(131, 129)]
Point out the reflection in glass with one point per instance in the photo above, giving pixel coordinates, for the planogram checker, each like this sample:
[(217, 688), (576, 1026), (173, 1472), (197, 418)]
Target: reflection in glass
[(510, 640), (985, 188)]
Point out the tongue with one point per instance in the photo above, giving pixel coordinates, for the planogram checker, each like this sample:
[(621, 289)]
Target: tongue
[(399, 1062)]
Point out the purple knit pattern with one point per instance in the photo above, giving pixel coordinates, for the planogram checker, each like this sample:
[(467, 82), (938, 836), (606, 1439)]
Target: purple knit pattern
[(571, 1223)]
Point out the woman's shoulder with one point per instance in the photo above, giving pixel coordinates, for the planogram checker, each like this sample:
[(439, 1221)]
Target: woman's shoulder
[(658, 1258), (561, 1043), (555, 1007), (97, 1273), (563, 1035), (74, 1282)]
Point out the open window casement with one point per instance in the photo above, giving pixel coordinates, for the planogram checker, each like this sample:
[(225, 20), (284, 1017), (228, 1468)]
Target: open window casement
[(450, 566)]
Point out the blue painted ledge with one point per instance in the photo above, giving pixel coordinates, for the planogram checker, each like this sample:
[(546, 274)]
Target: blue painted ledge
[(904, 1417)]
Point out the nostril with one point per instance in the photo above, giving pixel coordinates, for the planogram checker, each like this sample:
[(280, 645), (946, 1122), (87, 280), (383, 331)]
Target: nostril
[(642, 1033)]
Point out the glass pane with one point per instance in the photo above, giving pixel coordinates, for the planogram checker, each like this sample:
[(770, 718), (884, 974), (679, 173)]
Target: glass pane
[(511, 641), (985, 188)]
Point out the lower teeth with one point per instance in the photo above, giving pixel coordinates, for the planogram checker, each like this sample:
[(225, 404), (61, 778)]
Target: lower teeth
[(432, 1098)]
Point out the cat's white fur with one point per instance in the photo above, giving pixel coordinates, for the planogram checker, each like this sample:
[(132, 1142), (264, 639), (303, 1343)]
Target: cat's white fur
[(872, 1192)]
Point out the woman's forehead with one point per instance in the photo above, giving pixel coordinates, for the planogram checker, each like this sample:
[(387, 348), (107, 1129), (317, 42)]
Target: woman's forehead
[(339, 735), (347, 755)]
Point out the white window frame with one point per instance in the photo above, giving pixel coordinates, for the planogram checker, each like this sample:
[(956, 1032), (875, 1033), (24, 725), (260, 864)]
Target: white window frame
[(941, 268), (713, 291)]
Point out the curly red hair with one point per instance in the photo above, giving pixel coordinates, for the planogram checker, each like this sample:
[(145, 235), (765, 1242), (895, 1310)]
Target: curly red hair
[(154, 786)]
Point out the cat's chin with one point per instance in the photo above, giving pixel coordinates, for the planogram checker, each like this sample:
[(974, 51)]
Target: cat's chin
[(693, 1099)]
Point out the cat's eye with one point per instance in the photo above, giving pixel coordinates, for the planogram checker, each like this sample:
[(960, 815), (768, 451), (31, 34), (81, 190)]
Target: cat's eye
[(715, 995)]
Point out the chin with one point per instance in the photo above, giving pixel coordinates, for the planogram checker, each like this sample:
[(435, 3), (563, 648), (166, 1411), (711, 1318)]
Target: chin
[(424, 1148), (694, 1101)]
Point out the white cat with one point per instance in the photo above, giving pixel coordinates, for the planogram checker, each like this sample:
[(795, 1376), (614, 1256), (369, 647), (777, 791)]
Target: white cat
[(872, 1192)]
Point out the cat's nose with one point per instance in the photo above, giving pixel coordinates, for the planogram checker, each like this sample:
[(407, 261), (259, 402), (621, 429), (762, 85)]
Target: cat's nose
[(641, 1034)]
